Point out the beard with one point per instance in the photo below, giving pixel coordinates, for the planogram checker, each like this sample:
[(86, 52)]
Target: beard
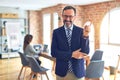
[(67, 23)]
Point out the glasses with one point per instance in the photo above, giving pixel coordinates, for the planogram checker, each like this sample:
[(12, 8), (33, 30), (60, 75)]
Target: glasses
[(67, 16)]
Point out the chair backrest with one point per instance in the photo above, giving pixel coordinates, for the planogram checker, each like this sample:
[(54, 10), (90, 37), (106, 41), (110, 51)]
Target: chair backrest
[(24, 59), (97, 55), (35, 66), (95, 69)]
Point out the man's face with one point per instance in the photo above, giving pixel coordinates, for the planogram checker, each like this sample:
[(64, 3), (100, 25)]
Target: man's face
[(68, 17)]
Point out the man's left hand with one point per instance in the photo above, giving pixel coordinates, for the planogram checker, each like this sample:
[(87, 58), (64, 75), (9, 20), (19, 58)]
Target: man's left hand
[(86, 31)]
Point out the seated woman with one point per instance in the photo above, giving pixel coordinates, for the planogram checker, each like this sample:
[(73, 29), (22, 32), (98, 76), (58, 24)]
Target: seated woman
[(28, 48)]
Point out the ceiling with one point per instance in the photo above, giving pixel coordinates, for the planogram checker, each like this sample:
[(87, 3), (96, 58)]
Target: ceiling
[(39, 4)]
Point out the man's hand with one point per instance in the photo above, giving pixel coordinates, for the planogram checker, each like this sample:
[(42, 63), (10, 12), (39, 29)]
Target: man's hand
[(77, 54), (86, 31)]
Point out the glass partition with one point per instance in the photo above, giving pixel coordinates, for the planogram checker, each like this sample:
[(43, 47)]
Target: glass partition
[(12, 32)]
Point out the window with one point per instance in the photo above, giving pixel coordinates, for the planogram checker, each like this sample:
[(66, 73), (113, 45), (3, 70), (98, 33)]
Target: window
[(109, 36), (114, 32), (55, 21), (110, 29), (46, 30)]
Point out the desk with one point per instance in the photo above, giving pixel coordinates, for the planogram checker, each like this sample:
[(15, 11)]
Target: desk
[(45, 55), (9, 55)]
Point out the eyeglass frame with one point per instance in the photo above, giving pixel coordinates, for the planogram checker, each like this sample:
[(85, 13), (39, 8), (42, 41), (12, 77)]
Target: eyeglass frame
[(68, 16)]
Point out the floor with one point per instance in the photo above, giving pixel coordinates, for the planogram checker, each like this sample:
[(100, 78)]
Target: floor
[(10, 68)]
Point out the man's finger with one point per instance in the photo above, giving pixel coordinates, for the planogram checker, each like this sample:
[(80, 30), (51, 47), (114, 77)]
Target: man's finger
[(79, 49)]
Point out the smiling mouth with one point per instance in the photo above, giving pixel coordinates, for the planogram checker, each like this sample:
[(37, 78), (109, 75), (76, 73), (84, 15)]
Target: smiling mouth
[(67, 21)]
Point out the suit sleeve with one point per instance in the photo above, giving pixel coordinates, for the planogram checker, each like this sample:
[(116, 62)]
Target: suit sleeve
[(57, 53), (85, 44)]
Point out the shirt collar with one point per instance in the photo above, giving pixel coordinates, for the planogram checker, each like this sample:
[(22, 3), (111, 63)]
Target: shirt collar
[(70, 27)]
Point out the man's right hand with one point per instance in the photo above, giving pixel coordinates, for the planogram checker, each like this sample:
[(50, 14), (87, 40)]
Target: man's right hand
[(77, 54)]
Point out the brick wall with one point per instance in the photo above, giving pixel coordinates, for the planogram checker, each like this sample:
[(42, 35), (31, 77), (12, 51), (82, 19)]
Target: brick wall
[(35, 22), (94, 13)]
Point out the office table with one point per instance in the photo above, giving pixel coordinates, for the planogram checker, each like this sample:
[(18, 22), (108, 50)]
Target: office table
[(45, 55)]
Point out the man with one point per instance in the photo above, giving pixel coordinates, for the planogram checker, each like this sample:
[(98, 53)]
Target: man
[(70, 44)]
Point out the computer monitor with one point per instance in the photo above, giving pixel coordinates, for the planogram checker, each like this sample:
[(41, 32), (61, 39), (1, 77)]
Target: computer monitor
[(45, 48), (37, 47)]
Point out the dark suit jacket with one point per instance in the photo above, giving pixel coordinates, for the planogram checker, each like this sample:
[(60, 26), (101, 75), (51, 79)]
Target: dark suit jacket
[(60, 50)]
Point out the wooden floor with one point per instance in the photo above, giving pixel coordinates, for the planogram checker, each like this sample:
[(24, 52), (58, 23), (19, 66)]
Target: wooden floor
[(10, 68)]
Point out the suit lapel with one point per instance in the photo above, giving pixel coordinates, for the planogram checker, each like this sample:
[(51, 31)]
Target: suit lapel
[(63, 33), (74, 32)]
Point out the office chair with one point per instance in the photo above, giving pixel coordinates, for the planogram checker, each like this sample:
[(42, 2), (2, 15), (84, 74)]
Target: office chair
[(36, 68), (97, 55), (25, 64), (95, 70)]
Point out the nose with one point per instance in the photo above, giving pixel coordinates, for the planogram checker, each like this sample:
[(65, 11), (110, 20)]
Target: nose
[(68, 18)]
